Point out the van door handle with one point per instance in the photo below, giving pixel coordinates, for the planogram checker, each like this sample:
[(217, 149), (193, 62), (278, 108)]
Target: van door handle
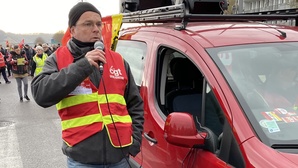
[(149, 138)]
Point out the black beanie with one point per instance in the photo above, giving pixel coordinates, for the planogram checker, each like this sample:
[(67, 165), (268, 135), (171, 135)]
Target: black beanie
[(77, 10)]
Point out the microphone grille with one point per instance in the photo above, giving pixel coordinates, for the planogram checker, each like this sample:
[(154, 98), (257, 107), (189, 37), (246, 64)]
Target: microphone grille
[(99, 45)]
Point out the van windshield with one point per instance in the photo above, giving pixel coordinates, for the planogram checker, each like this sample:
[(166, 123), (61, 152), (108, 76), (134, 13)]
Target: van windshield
[(264, 78)]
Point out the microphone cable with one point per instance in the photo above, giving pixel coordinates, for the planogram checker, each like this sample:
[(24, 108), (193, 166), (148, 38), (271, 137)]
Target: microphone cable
[(108, 104)]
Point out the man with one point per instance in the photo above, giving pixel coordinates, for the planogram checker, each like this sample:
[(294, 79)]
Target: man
[(5, 53), (101, 114), (19, 69), (46, 49), (3, 68), (2, 50), (29, 53)]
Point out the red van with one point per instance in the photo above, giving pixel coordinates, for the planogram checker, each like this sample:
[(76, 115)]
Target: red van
[(219, 90)]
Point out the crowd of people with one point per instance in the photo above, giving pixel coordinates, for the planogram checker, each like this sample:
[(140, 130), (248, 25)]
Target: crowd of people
[(19, 62)]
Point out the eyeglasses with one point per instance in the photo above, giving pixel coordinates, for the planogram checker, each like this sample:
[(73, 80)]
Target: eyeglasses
[(90, 25)]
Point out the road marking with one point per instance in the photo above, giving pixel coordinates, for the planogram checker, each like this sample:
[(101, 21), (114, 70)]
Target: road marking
[(10, 156)]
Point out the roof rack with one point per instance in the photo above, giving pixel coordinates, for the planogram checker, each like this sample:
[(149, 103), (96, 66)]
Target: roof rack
[(180, 14)]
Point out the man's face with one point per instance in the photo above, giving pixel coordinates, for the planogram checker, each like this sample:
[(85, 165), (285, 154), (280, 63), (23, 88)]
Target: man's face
[(17, 50), (45, 48), (88, 28), (39, 51)]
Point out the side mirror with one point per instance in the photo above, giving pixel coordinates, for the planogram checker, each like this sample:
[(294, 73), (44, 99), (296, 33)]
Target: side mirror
[(180, 130)]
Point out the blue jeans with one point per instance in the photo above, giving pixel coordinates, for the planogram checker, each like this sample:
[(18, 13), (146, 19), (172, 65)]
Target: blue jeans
[(74, 164)]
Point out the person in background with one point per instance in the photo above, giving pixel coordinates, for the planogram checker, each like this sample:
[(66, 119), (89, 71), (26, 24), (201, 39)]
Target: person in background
[(5, 53), (38, 61), (46, 49), (54, 47), (19, 63), (29, 53), (2, 50), (101, 112), (3, 68), (8, 65)]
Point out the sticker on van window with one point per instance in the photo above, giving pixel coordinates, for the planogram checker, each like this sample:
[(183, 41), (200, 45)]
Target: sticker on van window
[(271, 116), (271, 125), (281, 115)]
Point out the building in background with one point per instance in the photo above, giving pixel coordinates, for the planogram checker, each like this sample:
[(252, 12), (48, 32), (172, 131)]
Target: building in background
[(257, 6), (265, 7)]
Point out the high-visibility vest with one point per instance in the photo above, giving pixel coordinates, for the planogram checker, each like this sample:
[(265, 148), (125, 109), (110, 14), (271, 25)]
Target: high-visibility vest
[(2, 60), (85, 111), (39, 63)]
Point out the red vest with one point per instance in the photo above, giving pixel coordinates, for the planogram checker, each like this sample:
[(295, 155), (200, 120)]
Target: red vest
[(2, 61), (85, 111)]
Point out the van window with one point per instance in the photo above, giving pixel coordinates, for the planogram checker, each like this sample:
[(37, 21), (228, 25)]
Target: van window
[(181, 87), (264, 79), (134, 53)]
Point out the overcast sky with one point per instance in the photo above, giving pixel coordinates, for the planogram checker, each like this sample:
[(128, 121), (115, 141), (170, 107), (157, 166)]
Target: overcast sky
[(44, 16)]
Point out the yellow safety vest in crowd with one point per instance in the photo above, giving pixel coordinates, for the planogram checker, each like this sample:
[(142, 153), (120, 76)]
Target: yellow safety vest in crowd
[(39, 63)]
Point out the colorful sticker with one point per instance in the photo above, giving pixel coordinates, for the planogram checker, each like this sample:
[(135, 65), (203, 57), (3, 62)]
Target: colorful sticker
[(272, 126), (263, 123), (271, 116), (289, 119), (280, 111), (280, 114)]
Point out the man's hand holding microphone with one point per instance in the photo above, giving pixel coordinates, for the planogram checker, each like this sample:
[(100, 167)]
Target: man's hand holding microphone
[(97, 57)]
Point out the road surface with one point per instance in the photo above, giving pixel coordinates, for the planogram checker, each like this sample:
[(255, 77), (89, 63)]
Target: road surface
[(30, 136)]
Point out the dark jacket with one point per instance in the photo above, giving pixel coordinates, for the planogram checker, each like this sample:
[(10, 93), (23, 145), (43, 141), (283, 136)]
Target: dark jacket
[(51, 86), (48, 52), (29, 53), (18, 69)]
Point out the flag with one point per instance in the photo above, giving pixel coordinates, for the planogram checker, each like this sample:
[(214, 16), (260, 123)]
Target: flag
[(66, 37), (110, 31), (21, 44)]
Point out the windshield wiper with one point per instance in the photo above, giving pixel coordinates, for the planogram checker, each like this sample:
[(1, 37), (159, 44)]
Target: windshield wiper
[(284, 146)]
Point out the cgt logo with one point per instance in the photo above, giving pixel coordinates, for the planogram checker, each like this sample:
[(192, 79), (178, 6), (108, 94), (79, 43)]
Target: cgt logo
[(115, 73)]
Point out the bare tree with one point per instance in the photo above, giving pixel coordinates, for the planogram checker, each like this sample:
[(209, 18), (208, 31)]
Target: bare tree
[(39, 40), (58, 36)]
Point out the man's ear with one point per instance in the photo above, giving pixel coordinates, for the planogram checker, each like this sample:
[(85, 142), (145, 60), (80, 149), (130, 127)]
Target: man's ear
[(72, 30)]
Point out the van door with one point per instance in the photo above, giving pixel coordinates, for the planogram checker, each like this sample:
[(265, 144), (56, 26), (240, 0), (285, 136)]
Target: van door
[(164, 86)]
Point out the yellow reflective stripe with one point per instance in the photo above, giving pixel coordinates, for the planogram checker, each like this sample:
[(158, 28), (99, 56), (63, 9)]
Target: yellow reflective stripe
[(112, 98), (81, 121), (80, 99), (76, 99), (124, 119)]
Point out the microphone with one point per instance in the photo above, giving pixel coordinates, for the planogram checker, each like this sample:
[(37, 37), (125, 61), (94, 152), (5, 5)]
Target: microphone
[(99, 45)]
